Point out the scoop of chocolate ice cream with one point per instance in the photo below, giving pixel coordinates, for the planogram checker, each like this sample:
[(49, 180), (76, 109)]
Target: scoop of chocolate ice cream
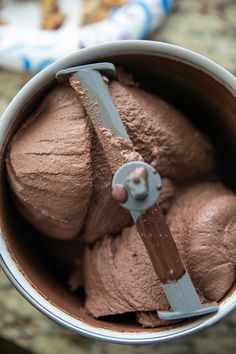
[(161, 134), (203, 223), (119, 276), (49, 165)]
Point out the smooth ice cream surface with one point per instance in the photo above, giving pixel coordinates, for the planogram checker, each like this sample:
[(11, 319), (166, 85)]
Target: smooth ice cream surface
[(61, 184), (203, 222), (49, 165)]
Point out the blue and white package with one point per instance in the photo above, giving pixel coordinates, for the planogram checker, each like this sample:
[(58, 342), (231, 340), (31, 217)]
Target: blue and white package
[(24, 47)]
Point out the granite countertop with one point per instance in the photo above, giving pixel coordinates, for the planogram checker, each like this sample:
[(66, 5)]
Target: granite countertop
[(208, 27)]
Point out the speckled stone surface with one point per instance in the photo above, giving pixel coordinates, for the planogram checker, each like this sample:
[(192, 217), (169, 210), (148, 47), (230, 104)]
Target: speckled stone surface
[(208, 27), (205, 26)]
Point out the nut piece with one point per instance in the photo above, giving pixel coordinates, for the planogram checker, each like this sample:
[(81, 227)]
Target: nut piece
[(52, 18), (98, 10), (120, 194)]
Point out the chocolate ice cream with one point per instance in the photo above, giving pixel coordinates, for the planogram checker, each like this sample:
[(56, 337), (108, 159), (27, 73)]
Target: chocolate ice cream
[(119, 276), (203, 222), (58, 171), (49, 165), (161, 134), (60, 178)]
